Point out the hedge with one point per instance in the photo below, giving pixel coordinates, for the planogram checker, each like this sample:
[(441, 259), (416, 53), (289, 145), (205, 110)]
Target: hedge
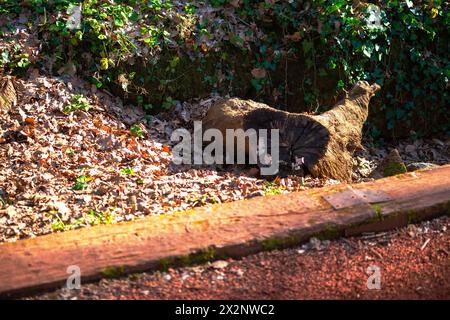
[(295, 55)]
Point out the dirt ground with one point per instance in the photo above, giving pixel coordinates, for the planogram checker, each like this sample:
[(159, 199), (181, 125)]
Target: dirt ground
[(413, 263)]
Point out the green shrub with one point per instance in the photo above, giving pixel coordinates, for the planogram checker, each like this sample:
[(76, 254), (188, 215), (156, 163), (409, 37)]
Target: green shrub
[(295, 55)]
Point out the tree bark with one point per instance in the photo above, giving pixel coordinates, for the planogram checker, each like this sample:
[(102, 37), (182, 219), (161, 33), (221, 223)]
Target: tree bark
[(8, 96), (322, 144)]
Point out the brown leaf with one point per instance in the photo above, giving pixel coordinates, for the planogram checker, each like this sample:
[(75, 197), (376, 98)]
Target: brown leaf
[(410, 148), (295, 36), (259, 73), (30, 121), (166, 149)]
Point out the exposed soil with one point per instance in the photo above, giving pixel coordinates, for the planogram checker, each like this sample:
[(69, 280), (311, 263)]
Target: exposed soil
[(414, 263)]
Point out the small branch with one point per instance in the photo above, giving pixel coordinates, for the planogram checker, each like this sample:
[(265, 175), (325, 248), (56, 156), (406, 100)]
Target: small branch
[(425, 244)]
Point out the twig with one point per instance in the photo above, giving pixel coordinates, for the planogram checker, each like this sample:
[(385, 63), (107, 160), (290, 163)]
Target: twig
[(374, 235), (376, 253), (425, 244), (350, 244)]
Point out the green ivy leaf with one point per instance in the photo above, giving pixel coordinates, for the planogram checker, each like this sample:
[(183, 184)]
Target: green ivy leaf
[(307, 46)]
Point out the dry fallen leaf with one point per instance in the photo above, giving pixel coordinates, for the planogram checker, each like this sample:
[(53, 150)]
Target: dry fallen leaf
[(295, 36), (259, 73)]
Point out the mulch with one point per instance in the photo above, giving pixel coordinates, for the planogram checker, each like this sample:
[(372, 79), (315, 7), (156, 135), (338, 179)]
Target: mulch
[(413, 262)]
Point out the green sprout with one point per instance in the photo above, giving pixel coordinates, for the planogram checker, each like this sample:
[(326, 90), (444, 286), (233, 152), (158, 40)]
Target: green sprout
[(127, 171), (79, 102), (81, 183), (98, 217), (137, 131), (271, 188)]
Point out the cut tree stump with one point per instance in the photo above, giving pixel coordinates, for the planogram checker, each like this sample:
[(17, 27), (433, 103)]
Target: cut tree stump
[(323, 144)]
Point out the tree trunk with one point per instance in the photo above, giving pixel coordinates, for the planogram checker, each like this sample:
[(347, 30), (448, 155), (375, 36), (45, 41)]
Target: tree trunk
[(322, 144)]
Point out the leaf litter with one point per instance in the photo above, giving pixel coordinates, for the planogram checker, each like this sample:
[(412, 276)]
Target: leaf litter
[(73, 156), (60, 163)]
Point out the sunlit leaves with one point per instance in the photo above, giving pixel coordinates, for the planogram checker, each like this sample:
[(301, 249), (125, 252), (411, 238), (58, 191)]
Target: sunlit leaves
[(79, 102), (81, 183)]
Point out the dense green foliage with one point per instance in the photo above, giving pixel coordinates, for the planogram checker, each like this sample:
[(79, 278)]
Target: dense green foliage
[(296, 55)]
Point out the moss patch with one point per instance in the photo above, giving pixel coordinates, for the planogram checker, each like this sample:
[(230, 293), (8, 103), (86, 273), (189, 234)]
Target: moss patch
[(195, 258), (378, 212), (395, 168), (113, 272), (278, 242), (330, 232), (199, 257), (165, 263), (412, 216)]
